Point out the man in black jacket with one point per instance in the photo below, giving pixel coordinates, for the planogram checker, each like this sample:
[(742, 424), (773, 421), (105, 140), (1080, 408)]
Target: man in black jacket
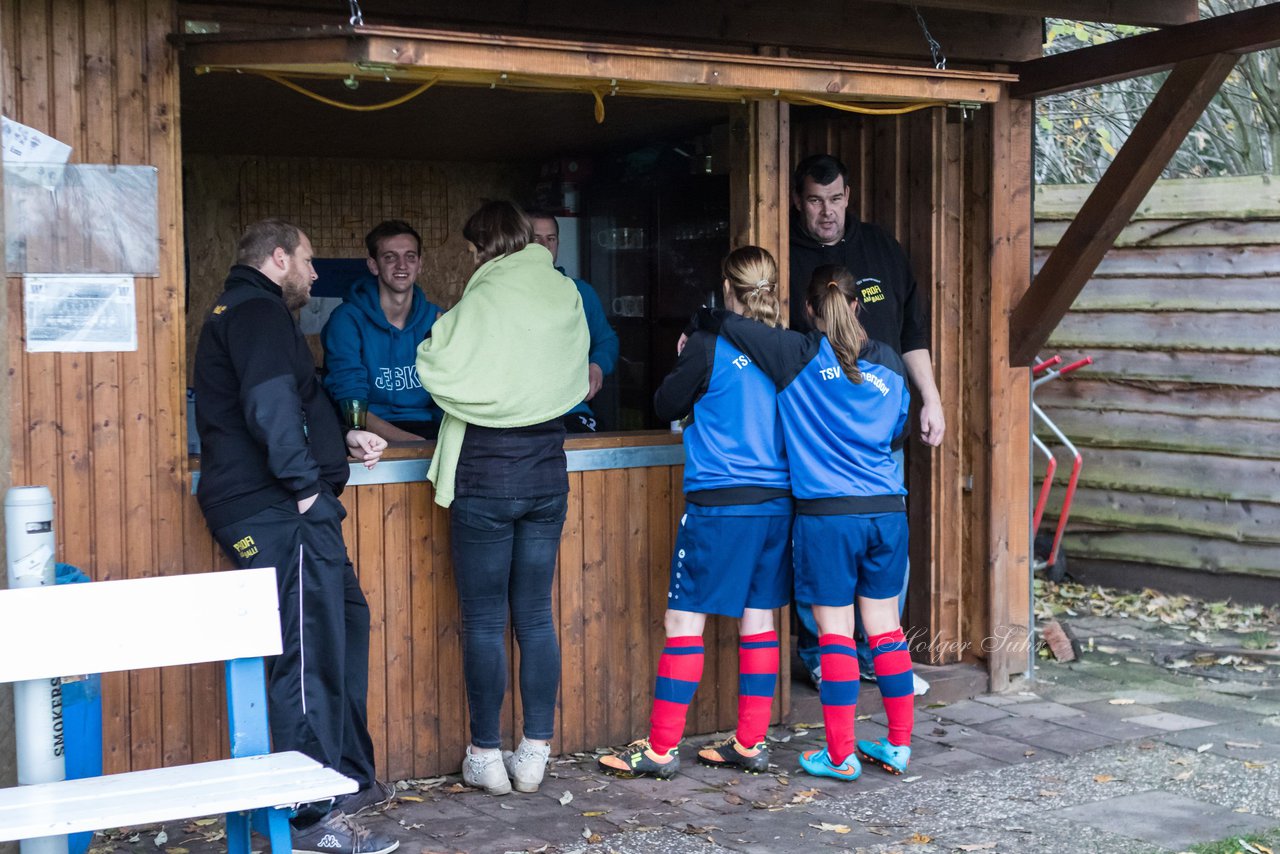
[(273, 462), (891, 311)]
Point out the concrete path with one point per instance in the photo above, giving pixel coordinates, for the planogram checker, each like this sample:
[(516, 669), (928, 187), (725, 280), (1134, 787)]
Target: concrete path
[(1126, 751)]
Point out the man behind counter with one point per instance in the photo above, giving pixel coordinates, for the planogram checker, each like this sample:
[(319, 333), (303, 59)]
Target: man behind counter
[(604, 341), (371, 340)]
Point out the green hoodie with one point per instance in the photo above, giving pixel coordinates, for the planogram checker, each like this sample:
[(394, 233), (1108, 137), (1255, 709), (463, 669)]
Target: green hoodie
[(511, 353)]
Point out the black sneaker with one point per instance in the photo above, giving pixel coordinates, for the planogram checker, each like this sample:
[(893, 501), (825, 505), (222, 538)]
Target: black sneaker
[(729, 754), (366, 800), (639, 759), (338, 834)]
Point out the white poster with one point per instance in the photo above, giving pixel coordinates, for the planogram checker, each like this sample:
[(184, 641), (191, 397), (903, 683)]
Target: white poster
[(24, 144), (80, 314)]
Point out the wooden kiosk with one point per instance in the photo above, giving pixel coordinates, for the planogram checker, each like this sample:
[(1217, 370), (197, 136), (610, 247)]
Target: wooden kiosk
[(939, 157)]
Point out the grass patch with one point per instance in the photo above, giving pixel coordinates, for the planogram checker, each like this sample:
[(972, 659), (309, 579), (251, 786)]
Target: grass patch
[(1266, 843)]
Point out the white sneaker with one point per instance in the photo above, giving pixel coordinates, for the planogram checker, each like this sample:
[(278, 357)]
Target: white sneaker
[(527, 764), (484, 771), (921, 685)]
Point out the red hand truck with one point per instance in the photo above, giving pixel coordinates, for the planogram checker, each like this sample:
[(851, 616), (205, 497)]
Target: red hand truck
[(1048, 555)]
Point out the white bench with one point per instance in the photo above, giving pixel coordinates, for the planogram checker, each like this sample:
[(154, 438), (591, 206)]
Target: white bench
[(232, 616)]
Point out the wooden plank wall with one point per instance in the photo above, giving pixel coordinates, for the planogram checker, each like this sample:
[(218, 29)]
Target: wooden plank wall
[(1179, 418), (609, 599), (907, 174), (103, 430)]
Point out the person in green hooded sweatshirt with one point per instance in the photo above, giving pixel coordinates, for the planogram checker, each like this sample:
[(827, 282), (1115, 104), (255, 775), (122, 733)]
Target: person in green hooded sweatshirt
[(504, 365)]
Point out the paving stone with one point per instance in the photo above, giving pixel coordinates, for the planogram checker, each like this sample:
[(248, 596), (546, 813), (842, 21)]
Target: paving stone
[(1007, 699), (1266, 738), (1111, 727), (1105, 708), (1161, 818), (953, 760), (1068, 741), (968, 712), (1015, 727), (1004, 749), (1045, 710), (1169, 721), (1219, 714)]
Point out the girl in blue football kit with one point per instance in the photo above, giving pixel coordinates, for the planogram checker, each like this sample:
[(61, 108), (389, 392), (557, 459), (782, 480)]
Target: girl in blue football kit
[(733, 549), (843, 401)]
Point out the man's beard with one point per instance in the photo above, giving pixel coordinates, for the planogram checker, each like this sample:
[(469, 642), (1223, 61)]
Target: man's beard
[(296, 293)]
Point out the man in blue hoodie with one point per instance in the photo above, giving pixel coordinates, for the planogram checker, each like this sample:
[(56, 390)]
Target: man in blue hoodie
[(371, 340), (604, 341)]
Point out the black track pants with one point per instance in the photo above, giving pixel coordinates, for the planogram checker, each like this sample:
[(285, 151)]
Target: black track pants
[(319, 685)]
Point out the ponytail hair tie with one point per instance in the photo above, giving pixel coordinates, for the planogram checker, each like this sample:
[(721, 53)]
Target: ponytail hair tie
[(833, 284)]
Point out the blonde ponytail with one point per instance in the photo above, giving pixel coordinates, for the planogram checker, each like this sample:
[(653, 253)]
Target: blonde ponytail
[(833, 296), (753, 275)]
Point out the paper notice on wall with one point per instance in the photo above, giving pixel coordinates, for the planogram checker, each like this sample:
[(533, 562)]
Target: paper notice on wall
[(80, 314), (24, 144)]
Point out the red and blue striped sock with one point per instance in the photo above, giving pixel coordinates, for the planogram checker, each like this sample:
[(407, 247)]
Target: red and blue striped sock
[(679, 670), (839, 693), (892, 662), (757, 681)]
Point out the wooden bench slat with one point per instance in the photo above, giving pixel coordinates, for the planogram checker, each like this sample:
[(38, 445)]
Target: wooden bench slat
[(164, 794), (138, 623)]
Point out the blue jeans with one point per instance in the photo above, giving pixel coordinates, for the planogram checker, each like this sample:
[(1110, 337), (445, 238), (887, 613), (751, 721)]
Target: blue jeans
[(807, 626), (504, 561)]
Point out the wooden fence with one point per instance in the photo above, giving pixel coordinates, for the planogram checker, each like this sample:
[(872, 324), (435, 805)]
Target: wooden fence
[(1178, 418)]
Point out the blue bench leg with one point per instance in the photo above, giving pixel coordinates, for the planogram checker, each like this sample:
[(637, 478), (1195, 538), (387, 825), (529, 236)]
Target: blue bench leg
[(278, 830), (238, 833)]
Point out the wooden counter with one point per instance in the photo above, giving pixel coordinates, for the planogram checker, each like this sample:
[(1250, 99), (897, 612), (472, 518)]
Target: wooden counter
[(625, 500)]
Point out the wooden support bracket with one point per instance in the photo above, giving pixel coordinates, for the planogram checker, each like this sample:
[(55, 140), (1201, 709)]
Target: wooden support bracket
[(1236, 33), (1112, 203)]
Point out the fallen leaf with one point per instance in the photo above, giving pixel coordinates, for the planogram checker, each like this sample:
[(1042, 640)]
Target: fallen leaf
[(1185, 775), (506, 806), (1202, 748), (1254, 766), (1048, 793), (161, 838), (808, 726), (205, 822), (731, 798), (910, 779), (176, 850), (411, 798), (920, 839), (1121, 701), (566, 799), (1244, 745), (1103, 778), (599, 788), (977, 846), (834, 828)]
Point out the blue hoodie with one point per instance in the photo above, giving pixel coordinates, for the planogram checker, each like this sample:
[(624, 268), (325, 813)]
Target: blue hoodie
[(604, 341), (366, 357)]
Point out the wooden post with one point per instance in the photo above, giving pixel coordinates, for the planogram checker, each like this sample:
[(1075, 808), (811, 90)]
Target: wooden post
[(760, 163), (1008, 487)]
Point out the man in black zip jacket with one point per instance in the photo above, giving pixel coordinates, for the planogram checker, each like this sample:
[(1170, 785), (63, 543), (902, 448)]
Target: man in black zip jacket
[(273, 462)]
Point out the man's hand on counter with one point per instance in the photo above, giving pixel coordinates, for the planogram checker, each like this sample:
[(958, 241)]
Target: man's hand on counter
[(365, 446)]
